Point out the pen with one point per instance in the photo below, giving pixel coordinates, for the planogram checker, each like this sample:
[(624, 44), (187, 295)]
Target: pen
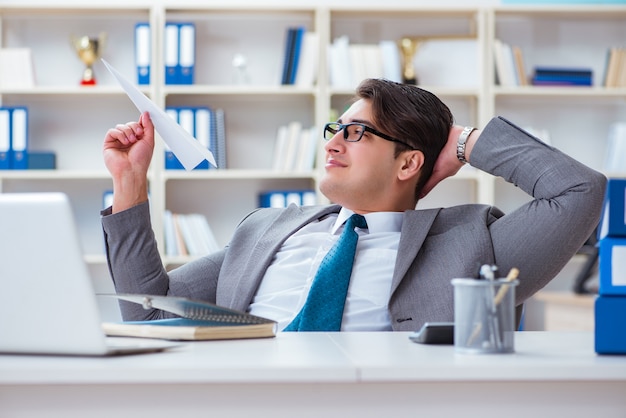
[(513, 273)]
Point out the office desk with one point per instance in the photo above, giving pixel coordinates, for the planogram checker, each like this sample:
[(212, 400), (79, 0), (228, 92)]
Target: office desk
[(323, 375)]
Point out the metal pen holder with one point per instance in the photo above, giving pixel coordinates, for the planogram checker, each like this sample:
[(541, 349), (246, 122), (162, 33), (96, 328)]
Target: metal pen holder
[(484, 316)]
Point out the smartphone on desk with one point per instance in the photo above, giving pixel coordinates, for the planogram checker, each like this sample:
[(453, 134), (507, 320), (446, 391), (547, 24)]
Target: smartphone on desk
[(434, 333)]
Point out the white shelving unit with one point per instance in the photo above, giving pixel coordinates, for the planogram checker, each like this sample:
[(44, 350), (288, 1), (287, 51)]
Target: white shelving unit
[(72, 120), (577, 118)]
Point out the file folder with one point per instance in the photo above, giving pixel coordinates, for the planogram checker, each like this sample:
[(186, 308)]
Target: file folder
[(142, 52), (203, 132), (187, 52), (19, 138), (613, 266), (171, 44), (171, 162), (613, 220), (5, 138)]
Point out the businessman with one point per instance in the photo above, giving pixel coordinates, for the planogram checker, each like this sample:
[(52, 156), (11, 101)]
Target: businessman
[(390, 148)]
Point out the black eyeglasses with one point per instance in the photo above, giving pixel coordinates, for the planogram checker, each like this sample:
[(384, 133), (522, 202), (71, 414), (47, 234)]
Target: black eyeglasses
[(353, 132)]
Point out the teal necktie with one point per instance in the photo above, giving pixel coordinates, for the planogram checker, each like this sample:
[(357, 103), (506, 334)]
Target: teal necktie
[(323, 308)]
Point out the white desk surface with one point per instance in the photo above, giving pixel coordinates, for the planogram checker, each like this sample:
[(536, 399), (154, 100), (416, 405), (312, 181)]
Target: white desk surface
[(375, 371)]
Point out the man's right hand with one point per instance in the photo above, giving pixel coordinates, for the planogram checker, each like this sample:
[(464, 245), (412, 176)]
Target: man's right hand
[(127, 152)]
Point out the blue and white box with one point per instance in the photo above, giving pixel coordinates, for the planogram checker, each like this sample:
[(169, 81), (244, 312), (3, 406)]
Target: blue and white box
[(610, 325), (170, 54), (5, 138), (187, 52), (613, 220), (142, 52), (179, 52), (19, 138), (613, 266), (14, 138)]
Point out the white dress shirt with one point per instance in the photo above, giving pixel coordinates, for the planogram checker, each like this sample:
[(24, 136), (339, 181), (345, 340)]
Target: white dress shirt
[(287, 281)]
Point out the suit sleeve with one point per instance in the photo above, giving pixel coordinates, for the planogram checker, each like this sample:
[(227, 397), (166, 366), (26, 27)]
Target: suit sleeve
[(135, 264), (541, 236)]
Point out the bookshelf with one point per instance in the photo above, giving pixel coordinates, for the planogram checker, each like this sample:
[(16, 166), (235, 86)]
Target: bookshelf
[(72, 120), (577, 118)]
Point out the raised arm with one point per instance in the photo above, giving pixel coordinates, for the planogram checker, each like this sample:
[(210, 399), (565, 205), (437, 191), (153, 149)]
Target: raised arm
[(127, 153), (541, 236)]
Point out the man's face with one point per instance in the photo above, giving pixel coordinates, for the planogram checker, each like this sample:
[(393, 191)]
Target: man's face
[(360, 175)]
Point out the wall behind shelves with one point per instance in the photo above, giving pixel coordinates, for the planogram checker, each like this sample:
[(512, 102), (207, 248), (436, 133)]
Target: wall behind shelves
[(233, 30)]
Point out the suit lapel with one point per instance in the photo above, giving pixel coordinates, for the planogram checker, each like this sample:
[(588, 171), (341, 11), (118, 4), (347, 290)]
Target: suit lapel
[(275, 234), (415, 227)]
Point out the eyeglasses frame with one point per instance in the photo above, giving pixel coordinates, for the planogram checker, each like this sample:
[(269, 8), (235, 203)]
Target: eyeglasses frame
[(343, 126)]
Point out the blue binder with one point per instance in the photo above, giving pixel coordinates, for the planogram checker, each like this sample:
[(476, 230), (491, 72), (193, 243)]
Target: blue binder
[(290, 40), (610, 324), (5, 138), (613, 220), (171, 162), (186, 52), (171, 53), (19, 138), (142, 52), (612, 266), (295, 58), (203, 128)]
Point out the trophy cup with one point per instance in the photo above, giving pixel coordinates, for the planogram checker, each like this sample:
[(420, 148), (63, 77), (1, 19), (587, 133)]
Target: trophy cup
[(89, 50), (408, 47)]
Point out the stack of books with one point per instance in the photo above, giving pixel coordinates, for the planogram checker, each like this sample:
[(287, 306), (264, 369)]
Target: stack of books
[(188, 235), (350, 63), (610, 305), (509, 60), (295, 148), (300, 60), (562, 76)]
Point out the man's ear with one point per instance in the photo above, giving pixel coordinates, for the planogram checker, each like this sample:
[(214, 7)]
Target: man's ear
[(411, 163)]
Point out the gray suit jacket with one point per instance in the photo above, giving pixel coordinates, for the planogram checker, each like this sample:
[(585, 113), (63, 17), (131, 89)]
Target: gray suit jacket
[(435, 246)]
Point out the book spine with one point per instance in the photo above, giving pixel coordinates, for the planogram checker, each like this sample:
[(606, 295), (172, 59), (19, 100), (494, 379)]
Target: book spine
[(171, 161), (203, 132), (187, 55), (5, 138), (19, 138), (220, 138), (142, 52), (289, 45), (295, 57), (171, 53)]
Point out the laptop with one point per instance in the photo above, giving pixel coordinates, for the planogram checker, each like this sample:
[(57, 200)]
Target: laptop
[(47, 301)]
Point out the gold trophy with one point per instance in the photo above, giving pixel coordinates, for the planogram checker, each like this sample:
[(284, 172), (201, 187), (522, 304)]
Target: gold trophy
[(408, 47), (89, 50)]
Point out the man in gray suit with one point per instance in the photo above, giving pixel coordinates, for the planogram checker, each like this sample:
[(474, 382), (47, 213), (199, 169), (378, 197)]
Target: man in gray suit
[(390, 148)]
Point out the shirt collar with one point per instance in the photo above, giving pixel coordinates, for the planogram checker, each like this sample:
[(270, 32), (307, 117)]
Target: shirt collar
[(376, 221)]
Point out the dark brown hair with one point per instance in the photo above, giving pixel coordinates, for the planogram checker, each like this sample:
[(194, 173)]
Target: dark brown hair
[(410, 114)]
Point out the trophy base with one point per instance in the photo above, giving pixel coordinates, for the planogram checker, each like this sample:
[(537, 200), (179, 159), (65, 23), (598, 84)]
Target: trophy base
[(411, 81), (91, 82)]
